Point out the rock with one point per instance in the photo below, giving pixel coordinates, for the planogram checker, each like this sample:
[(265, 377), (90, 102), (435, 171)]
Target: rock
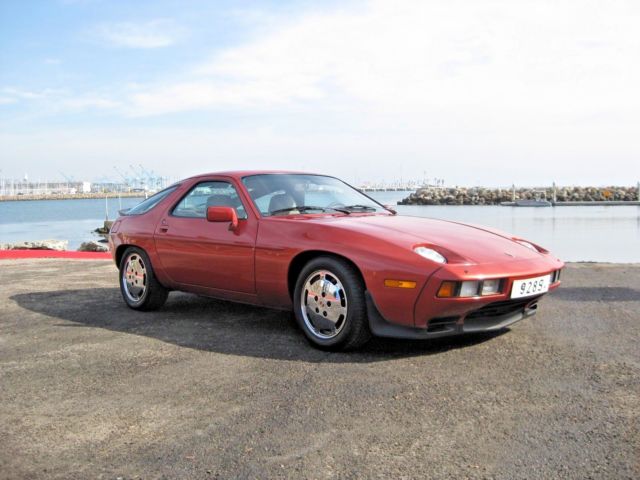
[(60, 245), (487, 196), (105, 227), (93, 246)]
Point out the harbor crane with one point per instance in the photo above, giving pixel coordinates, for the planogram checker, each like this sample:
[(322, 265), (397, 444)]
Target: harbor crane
[(152, 180), (138, 178), (127, 181), (69, 179)]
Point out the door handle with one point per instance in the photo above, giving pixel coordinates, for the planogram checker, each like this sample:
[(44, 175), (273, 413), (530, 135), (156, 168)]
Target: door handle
[(164, 229), (164, 226)]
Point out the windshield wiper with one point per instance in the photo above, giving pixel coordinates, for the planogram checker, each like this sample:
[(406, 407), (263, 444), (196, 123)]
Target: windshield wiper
[(306, 208), (363, 208)]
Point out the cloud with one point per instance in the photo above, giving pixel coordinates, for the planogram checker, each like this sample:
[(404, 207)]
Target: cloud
[(17, 94), (543, 155), (87, 102), (474, 92), (152, 34), (409, 56), (56, 100)]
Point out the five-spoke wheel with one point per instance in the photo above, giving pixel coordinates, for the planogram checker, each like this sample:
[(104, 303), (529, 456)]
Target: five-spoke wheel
[(324, 304), (329, 304), (134, 276), (138, 284)]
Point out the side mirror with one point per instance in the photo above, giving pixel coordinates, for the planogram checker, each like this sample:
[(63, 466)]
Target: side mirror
[(391, 209), (223, 214)]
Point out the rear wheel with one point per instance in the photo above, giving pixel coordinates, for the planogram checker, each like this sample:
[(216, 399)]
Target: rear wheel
[(329, 304), (139, 287)]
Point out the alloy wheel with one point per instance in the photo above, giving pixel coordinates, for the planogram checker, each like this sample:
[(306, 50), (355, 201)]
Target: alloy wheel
[(323, 304)]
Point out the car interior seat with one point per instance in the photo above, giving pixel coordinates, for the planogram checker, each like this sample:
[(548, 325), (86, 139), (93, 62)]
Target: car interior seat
[(280, 201), (219, 201)]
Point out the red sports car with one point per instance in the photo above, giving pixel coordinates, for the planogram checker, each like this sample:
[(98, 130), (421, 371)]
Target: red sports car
[(348, 266)]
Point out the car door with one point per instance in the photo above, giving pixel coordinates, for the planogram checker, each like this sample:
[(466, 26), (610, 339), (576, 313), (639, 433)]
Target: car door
[(194, 251)]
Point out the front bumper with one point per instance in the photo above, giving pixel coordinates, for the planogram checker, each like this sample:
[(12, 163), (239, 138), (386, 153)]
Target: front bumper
[(489, 317)]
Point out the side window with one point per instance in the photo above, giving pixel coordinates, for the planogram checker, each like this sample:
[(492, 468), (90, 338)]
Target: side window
[(149, 203), (209, 194)]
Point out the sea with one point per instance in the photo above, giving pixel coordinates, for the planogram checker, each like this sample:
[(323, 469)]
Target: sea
[(580, 233)]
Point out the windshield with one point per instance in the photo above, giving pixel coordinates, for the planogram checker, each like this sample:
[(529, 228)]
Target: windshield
[(291, 194)]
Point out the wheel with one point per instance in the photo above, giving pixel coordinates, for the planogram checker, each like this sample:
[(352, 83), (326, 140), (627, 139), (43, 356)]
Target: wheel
[(329, 305), (138, 284)]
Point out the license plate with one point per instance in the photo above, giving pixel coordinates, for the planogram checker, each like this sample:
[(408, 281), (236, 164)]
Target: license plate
[(530, 286)]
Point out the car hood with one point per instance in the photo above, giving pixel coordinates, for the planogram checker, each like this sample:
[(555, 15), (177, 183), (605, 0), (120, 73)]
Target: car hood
[(459, 243)]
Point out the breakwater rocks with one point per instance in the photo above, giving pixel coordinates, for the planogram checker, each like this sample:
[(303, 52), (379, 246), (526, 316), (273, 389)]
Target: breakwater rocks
[(496, 196)]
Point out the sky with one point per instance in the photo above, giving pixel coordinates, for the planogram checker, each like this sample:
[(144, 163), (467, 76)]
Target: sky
[(476, 93)]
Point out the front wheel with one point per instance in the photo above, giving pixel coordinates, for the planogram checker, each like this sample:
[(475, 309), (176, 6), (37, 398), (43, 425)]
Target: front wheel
[(329, 305), (138, 284)]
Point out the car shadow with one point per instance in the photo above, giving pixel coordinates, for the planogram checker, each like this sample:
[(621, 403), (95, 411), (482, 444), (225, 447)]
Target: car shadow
[(597, 294), (218, 326)]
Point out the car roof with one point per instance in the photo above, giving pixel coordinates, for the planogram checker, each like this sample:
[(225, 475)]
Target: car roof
[(245, 173)]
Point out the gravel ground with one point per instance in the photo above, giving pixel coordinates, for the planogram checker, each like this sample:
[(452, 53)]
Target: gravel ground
[(208, 389)]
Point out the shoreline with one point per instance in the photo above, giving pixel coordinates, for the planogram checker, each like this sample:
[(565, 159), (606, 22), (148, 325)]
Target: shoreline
[(78, 196)]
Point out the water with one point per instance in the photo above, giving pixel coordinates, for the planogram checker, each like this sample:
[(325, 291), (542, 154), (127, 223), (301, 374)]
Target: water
[(597, 233), (591, 233), (73, 220)]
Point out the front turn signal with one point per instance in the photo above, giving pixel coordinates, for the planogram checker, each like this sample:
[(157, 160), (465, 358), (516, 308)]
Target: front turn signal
[(399, 283), (447, 289)]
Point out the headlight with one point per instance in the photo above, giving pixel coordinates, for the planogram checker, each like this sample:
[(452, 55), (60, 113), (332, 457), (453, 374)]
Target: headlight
[(490, 287), (430, 254), (469, 289)]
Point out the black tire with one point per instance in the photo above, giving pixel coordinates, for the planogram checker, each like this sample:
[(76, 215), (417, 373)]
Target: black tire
[(353, 331), (154, 294)]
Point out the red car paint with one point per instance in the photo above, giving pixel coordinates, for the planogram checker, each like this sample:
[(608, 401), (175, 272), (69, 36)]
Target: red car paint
[(253, 262)]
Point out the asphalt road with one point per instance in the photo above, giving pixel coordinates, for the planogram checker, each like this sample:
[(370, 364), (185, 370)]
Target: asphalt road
[(208, 389)]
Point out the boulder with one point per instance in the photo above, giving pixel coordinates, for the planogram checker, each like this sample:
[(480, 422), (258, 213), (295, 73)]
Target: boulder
[(60, 245), (93, 246)]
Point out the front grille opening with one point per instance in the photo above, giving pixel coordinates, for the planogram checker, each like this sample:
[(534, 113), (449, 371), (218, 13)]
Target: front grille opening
[(443, 324), (497, 309), (555, 276)]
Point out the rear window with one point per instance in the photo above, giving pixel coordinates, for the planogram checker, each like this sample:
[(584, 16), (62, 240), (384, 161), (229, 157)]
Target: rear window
[(152, 201)]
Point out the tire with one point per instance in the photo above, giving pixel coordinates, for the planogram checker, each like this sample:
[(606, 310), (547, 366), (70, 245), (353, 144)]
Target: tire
[(138, 284), (336, 318)]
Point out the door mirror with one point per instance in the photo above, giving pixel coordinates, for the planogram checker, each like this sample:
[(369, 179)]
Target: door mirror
[(223, 214), (391, 209)]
